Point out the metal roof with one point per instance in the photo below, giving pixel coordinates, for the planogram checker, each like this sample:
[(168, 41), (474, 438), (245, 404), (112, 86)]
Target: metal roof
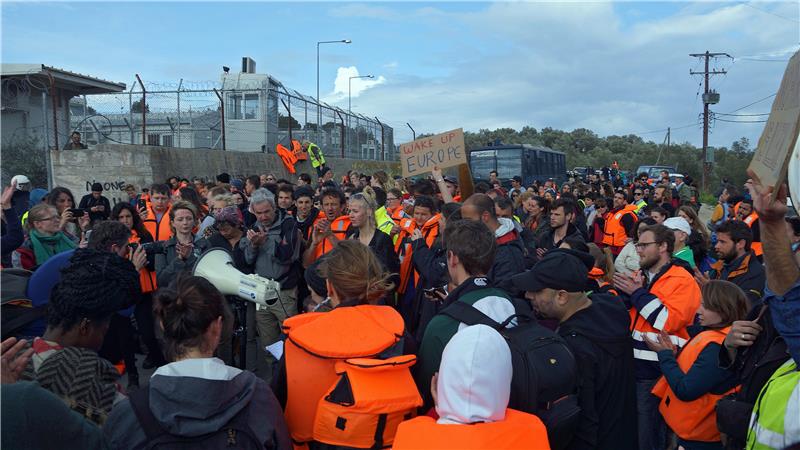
[(84, 84)]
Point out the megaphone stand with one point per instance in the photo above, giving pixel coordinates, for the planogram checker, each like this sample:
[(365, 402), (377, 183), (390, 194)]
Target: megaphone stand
[(216, 266)]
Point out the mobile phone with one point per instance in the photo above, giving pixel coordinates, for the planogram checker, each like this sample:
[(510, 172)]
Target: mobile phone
[(141, 203), (77, 212), (133, 246)]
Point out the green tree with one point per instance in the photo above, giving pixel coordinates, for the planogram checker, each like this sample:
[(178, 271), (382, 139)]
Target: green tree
[(137, 107)]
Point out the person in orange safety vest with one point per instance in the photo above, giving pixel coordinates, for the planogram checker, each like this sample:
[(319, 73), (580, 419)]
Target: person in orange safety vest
[(747, 215), (693, 382), (663, 298), (156, 220), (330, 226), (620, 224), (471, 393)]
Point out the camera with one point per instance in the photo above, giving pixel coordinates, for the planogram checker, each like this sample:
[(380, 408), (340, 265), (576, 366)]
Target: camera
[(150, 248), (77, 212)]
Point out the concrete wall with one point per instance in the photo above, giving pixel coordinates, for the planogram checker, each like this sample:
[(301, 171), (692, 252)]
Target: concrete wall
[(115, 165)]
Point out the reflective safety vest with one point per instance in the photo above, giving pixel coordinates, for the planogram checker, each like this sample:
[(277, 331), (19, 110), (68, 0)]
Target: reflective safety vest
[(430, 231), (383, 222), (147, 279), (755, 246), (518, 430), (315, 154), (614, 233), (336, 393), (287, 158), (775, 420), (677, 298), (339, 228), (694, 420), (640, 206), (161, 230)]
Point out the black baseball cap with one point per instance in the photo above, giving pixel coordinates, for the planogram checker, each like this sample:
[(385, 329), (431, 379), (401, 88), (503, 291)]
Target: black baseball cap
[(451, 180), (517, 178), (560, 269)]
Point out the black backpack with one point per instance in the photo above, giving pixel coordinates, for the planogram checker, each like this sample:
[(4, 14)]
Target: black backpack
[(545, 374), (236, 434)]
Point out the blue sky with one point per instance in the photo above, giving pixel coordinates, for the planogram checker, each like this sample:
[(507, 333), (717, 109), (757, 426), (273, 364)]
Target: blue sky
[(616, 68)]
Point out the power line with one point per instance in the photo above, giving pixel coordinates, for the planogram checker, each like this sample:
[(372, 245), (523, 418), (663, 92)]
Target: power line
[(740, 121), (751, 104), (771, 13), (739, 115)]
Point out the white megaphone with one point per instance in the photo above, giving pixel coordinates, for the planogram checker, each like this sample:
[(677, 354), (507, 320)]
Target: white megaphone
[(216, 266), (794, 176)]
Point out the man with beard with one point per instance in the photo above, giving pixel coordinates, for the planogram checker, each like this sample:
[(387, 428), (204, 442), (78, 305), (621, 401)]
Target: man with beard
[(562, 214), (662, 196), (737, 263), (663, 298)]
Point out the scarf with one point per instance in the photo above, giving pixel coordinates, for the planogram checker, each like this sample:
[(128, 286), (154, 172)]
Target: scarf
[(44, 247)]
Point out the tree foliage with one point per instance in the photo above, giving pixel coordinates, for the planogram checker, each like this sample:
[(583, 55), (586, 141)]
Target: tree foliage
[(584, 148), (24, 155), (137, 107)]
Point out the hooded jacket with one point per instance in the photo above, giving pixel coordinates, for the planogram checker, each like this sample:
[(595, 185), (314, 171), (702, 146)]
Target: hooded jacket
[(746, 272), (600, 338), (509, 258), (473, 389), (198, 396)]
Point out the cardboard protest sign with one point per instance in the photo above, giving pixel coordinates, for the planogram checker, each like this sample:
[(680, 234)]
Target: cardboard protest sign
[(443, 150), (779, 137)]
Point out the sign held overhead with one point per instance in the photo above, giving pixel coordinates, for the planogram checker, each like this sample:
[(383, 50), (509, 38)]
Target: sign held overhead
[(442, 151), (780, 134)]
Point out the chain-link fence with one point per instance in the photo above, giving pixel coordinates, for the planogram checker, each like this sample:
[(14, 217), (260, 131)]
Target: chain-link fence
[(244, 118)]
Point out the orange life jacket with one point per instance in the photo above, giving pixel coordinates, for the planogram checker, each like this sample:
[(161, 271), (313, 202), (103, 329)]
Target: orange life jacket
[(430, 231), (614, 233), (757, 248), (677, 290), (324, 351), (147, 279), (403, 249), (297, 151), (694, 420), (339, 228), (287, 157), (160, 230), (518, 430)]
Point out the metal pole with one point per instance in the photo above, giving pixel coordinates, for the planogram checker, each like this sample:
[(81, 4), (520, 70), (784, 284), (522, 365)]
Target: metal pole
[(130, 112), (48, 160), (53, 94), (222, 116), (144, 110), (705, 127), (341, 136), (383, 148), (413, 133), (316, 135), (179, 112), (349, 95)]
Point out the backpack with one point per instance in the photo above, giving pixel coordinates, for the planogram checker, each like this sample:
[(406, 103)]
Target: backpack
[(545, 374), (236, 434)]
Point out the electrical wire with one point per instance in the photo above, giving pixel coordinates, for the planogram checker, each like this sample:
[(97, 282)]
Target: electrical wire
[(771, 13), (739, 115), (740, 121), (751, 104)]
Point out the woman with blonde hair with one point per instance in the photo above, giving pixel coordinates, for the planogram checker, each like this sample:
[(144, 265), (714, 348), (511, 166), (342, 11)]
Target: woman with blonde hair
[(693, 382), (362, 208), (45, 238)]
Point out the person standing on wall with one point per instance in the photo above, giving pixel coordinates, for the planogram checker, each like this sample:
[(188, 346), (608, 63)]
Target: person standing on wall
[(96, 204), (315, 156), (75, 142)]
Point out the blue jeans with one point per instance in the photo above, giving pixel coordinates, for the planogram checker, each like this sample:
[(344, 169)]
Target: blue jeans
[(652, 429)]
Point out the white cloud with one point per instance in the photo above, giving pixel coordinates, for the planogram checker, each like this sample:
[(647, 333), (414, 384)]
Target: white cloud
[(579, 65), (344, 85)]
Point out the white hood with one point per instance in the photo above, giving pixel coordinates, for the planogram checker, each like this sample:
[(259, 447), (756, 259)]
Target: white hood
[(506, 226), (474, 377)]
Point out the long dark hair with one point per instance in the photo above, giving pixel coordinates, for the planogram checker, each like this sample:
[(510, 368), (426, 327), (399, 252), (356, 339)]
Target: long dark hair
[(138, 225), (52, 196), (190, 195)]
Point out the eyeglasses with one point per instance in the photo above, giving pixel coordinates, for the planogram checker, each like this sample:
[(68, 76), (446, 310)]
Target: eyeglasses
[(391, 199), (637, 193), (642, 245), (47, 219)]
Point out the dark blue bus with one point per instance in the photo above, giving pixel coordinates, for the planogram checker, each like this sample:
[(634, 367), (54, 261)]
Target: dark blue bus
[(530, 162)]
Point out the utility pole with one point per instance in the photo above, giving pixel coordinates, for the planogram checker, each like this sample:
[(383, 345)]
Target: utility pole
[(709, 97)]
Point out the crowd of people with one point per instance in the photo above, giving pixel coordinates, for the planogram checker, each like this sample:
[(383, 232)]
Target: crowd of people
[(594, 314)]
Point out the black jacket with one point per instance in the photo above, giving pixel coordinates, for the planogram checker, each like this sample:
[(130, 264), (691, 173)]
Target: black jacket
[(217, 241), (88, 201), (600, 338), (747, 272), (509, 259), (431, 263), (383, 249), (546, 241)]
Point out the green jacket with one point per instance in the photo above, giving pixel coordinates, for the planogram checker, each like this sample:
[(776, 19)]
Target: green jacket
[(494, 302), (775, 421)]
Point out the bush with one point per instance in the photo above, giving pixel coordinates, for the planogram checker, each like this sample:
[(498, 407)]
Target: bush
[(24, 155)]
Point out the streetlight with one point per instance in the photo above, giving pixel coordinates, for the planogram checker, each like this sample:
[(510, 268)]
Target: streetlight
[(319, 103), (350, 88)]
